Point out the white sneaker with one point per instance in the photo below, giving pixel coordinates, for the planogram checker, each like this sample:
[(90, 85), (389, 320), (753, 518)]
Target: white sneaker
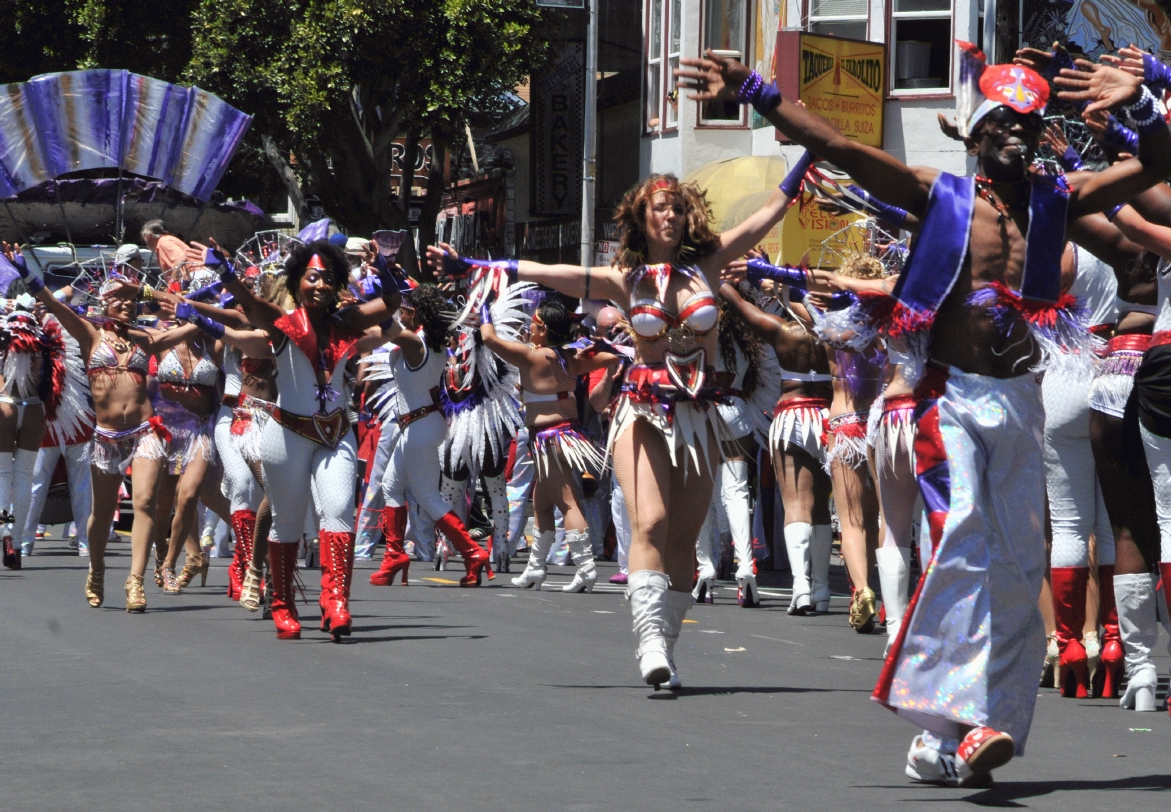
[(929, 766)]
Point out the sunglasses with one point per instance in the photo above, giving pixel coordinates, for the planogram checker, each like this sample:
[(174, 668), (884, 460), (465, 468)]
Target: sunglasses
[(1005, 118)]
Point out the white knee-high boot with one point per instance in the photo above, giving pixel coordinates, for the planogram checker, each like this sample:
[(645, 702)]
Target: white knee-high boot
[(1134, 596), (894, 574), (647, 592), (703, 558), (734, 495), (535, 570), (797, 538), (23, 464), (820, 547), (6, 465), (583, 557), (677, 604), (10, 534), (498, 500)]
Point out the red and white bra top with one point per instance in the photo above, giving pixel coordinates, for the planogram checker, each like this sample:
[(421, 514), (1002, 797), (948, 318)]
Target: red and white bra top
[(649, 317)]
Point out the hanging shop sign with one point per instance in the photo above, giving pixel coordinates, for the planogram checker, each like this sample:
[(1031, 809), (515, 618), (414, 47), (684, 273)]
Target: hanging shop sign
[(557, 110), (841, 80)]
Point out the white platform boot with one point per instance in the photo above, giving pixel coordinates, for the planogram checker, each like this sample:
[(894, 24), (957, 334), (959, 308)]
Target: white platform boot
[(734, 496), (1134, 596), (704, 591), (894, 575), (647, 592), (820, 548), (536, 569), (583, 556), (677, 604), (797, 538)]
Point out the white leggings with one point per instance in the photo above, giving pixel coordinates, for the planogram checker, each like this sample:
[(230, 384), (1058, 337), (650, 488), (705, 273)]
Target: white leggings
[(239, 485), (289, 461), (80, 495), (414, 466), (1159, 461), (1076, 507)]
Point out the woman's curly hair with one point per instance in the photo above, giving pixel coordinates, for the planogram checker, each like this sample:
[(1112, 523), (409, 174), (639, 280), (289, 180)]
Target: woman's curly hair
[(298, 260), (698, 238), (862, 266), (735, 332), (433, 312)]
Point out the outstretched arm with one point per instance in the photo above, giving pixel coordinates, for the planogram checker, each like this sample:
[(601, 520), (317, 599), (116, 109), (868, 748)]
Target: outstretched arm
[(85, 333), (414, 351), (572, 280), (1109, 88), (511, 352), (716, 77), (1154, 238), (767, 325)]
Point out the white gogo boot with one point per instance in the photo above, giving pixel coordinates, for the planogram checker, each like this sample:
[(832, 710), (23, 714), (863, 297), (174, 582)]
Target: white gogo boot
[(583, 557), (535, 570), (1135, 597), (820, 547), (797, 537), (894, 574), (647, 592), (706, 577), (677, 604)]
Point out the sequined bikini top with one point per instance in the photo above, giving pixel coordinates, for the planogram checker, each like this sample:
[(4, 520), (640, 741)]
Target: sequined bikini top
[(651, 320), (104, 360), (206, 373)]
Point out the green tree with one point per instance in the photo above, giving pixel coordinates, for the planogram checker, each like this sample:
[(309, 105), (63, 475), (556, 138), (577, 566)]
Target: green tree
[(335, 82)]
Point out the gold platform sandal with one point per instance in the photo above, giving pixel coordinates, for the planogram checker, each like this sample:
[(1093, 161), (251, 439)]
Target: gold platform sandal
[(135, 597), (160, 557), (191, 567), (862, 611), (95, 588)]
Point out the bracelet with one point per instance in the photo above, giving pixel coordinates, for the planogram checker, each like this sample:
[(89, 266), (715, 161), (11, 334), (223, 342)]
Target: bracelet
[(1110, 215), (146, 293), (1143, 114), (587, 282), (763, 96)]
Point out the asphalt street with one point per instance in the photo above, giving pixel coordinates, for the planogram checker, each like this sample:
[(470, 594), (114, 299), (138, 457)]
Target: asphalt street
[(487, 699)]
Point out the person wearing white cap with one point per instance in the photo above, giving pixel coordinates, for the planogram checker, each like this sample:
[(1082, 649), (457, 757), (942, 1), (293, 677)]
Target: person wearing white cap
[(128, 255)]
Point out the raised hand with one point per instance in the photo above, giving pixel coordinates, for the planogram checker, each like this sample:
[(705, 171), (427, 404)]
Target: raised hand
[(1034, 58), (1129, 59), (712, 77), (1104, 87), (737, 269), (949, 127), (1055, 138)]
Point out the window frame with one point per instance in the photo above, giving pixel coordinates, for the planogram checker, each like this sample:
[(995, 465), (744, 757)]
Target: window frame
[(946, 91), (662, 63), (809, 19), (745, 121)]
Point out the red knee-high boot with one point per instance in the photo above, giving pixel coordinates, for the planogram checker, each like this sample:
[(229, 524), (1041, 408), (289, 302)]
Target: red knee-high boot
[(475, 556), (282, 561), (337, 559), (243, 528), (1113, 657), (1069, 610), (394, 526)]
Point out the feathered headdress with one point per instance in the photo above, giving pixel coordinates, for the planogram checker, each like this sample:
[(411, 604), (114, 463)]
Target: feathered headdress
[(985, 87)]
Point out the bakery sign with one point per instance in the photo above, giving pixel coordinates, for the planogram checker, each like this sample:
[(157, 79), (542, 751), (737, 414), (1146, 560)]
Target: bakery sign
[(841, 80)]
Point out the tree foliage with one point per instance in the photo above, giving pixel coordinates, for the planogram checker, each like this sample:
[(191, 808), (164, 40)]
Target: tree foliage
[(331, 83), (335, 82)]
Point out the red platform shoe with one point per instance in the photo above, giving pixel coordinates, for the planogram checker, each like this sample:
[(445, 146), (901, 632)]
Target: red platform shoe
[(337, 567), (1069, 610), (475, 557), (394, 559), (282, 561), (243, 528), (1110, 665)]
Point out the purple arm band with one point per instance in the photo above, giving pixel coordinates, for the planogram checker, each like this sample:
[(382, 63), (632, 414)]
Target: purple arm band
[(1119, 137), (791, 185), (214, 258), (186, 312), (758, 269), (459, 266), (762, 95), (838, 301), (486, 313), (1156, 75), (1070, 161), (207, 292), (887, 212)]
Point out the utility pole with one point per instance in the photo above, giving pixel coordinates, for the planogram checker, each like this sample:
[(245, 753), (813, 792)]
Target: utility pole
[(589, 161)]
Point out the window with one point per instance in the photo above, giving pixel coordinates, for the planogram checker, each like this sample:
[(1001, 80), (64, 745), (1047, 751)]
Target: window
[(920, 31), (662, 58), (725, 29), (841, 18)]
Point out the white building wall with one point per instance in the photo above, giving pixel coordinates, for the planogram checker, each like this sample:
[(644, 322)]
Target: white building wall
[(911, 132)]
